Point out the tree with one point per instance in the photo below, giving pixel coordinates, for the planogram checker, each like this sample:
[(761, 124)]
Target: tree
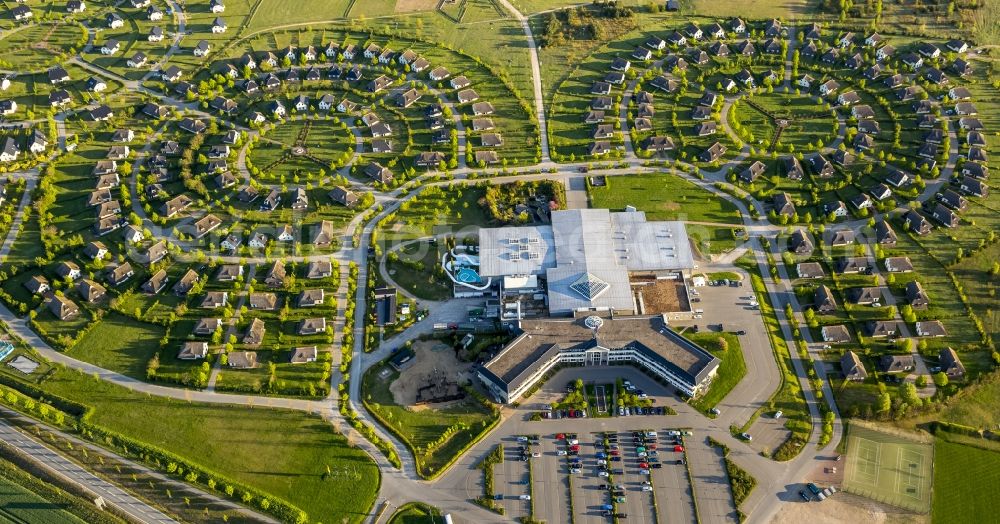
[(884, 402), (908, 392), (940, 379)]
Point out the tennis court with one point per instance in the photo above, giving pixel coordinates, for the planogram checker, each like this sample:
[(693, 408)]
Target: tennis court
[(889, 467)]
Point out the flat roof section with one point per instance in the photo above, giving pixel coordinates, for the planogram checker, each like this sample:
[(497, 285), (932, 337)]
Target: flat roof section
[(524, 250), (650, 246)]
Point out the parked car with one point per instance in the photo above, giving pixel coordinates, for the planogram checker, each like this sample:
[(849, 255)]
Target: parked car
[(804, 495), (814, 488), (561, 453), (746, 437), (715, 411), (525, 497), (647, 487)]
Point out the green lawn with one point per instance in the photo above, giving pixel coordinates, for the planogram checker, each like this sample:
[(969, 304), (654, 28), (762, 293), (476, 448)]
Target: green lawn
[(416, 513), (663, 197), (271, 13), (421, 430), (327, 143), (416, 268), (712, 240), (120, 344), (732, 369), (436, 209), (19, 505), (284, 453), (37, 47)]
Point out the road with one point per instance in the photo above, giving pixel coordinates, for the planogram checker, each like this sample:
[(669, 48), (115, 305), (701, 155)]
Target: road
[(69, 470)]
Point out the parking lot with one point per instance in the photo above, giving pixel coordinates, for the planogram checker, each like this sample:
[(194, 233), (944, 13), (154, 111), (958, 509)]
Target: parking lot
[(511, 481), (708, 470), (630, 473), (555, 488), (550, 482)]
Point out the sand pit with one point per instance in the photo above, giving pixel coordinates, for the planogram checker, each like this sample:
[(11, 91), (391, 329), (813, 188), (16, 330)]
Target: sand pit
[(430, 355)]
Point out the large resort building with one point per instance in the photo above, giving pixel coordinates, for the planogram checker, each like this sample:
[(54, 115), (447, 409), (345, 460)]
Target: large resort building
[(647, 341), (603, 271), (587, 259)]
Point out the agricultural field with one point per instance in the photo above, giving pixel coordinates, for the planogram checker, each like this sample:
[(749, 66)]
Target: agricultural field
[(965, 477), (272, 14), (18, 504)]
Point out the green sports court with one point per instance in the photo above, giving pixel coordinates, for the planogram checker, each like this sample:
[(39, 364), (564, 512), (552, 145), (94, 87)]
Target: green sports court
[(889, 467)]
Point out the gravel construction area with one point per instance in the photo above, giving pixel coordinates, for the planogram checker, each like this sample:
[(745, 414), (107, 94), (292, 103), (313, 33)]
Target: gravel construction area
[(845, 507), (433, 359)]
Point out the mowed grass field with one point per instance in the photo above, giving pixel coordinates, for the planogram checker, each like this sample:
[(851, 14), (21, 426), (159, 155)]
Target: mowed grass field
[(732, 369), (663, 197), (889, 468), (120, 344), (966, 481), (281, 452), (762, 9), (19, 505), (275, 13)]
